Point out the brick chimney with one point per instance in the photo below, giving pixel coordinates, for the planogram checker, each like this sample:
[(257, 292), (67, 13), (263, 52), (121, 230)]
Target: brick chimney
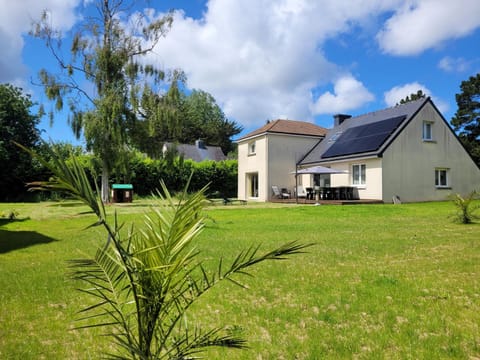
[(340, 118), (200, 144)]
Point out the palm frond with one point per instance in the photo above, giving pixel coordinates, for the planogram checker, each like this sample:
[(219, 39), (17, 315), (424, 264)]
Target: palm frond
[(105, 280), (69, 179), (142, 284), (190, 344)]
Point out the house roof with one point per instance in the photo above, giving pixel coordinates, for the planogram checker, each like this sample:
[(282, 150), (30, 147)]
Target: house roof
[(364, 135), (198, 152), (291, 127)]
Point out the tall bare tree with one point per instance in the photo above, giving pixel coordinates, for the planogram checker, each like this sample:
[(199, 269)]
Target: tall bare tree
[(106, 50)]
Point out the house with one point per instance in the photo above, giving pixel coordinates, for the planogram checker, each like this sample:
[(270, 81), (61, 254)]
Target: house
[(267, 155), (406, 152), (197, 152)]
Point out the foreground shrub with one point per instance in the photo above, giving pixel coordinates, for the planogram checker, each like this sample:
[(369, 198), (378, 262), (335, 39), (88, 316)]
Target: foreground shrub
[(466, 207), (144, 281)]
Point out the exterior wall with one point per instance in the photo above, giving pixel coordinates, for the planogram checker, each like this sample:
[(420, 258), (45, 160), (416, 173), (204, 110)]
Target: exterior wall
[(410, 162), (252, 163), (284, 151), (274, 161), (372, 189)]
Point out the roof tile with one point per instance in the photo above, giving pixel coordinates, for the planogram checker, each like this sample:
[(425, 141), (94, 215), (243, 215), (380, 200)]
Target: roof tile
[(288, 127)]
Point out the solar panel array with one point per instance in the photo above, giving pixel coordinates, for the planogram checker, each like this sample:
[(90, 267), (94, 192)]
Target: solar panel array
[(364, 138)]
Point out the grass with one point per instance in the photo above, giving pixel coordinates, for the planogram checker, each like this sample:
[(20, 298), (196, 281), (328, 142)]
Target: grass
[(383, 281)]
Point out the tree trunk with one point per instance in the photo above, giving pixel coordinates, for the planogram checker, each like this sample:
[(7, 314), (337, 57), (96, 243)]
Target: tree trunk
[(105, 189)]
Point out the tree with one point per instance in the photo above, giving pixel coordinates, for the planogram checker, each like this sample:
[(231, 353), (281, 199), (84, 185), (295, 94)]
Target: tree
[(467, 118), (162, 119), (17, 124), (144, 282), (176, 117), (107, 54), (205, 120), (413, 96)]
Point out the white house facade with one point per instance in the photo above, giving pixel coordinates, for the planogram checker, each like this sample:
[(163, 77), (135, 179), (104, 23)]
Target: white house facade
[(268, 156), (407, 152)]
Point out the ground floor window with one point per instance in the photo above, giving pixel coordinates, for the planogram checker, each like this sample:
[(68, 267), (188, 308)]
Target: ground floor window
[(322, 180), (359, 174), (441, 178), (252, 185)]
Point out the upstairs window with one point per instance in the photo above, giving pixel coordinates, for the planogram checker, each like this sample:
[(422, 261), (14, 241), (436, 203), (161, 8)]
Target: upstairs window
[(427, 131), (359, 174), (251, 148), (441, 178)]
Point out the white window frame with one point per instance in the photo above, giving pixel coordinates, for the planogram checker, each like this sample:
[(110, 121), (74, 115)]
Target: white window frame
[(252, 148), (427, 131), (442, 182), (359, 177), (252, 185)]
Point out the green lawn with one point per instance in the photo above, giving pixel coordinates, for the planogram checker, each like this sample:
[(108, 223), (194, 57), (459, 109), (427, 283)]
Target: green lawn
[(382, 282)]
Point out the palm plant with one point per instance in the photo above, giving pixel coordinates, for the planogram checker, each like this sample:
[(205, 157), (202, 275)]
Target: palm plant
[(144, 281), (466, 207)]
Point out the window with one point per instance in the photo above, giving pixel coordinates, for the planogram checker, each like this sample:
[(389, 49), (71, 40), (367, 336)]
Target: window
[(322, 180), (441, 178), (427, 131), (334, 137), (359, 174), (251, 148)]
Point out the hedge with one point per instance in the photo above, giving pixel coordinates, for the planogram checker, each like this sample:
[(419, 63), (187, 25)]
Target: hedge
[(145, 175)]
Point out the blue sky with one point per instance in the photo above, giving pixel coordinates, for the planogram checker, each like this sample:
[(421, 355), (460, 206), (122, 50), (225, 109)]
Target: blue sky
[(291, 59)]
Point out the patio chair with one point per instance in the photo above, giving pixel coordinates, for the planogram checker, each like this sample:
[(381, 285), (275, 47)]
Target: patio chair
[(301, 192), (309, 193), (280, 194)]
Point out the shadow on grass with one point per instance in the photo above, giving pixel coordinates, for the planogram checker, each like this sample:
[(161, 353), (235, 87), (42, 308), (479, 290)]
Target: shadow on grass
[(14, 240)]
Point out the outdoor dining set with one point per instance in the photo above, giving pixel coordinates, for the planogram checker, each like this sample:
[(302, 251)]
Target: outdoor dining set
[(330, 193), (316, 193)]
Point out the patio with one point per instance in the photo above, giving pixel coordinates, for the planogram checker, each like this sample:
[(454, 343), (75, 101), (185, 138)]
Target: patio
[(318, 195), (326, 202)]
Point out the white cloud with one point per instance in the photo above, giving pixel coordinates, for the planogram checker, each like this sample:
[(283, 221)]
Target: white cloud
[(261, 58), (16, 20), (349, 94), (450, 64), (397, 93), (423, 24)]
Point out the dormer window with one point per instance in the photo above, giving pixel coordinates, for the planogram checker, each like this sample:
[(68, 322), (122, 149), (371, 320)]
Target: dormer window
[(251, 148), (427, 131)]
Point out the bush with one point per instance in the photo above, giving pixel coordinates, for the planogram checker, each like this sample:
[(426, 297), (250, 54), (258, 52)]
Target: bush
[(466, 207), (146, 174)]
